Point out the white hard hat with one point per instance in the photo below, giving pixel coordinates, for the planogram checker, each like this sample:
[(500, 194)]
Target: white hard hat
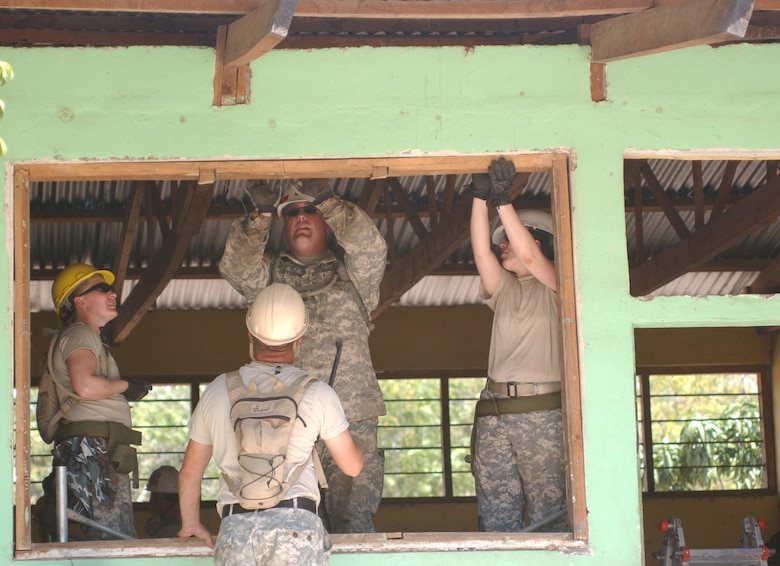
[(164, 479), (278, 315), (290, 195), (531, 218)]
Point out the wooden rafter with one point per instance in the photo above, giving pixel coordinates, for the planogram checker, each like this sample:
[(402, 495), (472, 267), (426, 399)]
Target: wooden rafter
[(698, 193), (730, 227), (406, 206), (694, 22), (724, 189), (129, 229), (660, 197), (432, 250), (193, 202)]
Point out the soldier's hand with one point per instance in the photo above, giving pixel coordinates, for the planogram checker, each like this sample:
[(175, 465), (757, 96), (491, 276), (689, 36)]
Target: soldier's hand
[(502, 175), (262, 196), (136, 389), (318, 189), (480, 186)]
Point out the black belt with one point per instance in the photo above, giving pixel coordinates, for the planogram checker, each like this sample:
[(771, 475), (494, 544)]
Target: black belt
[(295, 503)]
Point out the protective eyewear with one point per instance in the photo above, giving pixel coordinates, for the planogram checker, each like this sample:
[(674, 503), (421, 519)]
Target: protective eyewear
[(99, 287), (308, 210)]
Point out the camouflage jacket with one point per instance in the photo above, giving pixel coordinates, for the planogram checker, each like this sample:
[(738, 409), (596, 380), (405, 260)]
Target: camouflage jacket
[(333, 303)]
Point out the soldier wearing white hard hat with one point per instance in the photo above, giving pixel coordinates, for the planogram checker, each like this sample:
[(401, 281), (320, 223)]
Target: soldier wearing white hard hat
[(291, 532), (335, 257)]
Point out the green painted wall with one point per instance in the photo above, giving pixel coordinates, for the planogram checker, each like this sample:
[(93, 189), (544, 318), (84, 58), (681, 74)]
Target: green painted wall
[(144, 103)]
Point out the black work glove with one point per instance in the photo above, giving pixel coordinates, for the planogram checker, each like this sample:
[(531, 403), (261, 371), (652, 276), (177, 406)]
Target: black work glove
[(262, 196), (502, 175), (318, 189), (136, 389), (480, 186)]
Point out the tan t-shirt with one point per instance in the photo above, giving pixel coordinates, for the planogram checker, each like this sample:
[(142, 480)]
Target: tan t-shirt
[(115, 408), (524, 344)]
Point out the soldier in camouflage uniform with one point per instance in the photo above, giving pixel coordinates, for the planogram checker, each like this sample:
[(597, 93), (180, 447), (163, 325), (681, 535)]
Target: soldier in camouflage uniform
[(93, 440), (339, 282), (518, 454), (290, 533)]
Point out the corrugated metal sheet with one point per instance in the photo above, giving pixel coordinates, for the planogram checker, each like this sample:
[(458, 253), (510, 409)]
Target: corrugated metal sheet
[(54, 245)]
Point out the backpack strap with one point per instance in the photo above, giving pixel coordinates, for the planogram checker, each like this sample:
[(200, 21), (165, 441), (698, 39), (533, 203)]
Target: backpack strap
[(235, 387)]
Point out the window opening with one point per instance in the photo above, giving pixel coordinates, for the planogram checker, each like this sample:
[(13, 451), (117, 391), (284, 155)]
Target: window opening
[(182, 177), (703, 431)]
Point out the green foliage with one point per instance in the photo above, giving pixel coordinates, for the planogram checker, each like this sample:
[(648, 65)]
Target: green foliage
[(411, 436), (6, 74), (707, 432)]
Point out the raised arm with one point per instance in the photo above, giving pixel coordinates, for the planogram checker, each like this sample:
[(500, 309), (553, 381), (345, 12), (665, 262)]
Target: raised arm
[(365, 248), (243, 263), (487, 263), (526, 248)]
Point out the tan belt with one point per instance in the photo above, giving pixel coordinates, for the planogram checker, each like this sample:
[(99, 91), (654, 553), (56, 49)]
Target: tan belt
[(515, 389)]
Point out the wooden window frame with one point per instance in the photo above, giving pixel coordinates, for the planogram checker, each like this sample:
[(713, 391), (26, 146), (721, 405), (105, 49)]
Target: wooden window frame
[(554, 163)]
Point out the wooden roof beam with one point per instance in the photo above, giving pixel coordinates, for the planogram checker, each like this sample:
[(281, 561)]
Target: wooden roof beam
[(394, 9), (258, 32), (668, 27), (193, 204), (732, 226)]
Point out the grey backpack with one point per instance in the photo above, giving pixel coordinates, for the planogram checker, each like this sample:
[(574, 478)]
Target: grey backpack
[(263, 423)]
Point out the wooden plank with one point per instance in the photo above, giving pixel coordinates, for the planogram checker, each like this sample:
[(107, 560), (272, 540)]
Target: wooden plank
[(695, 22), (430, 189), (195, 200), (736, 223), (395, 9), (280, 168), (258, 32), (598, 82), (21, 349), (571, 391)]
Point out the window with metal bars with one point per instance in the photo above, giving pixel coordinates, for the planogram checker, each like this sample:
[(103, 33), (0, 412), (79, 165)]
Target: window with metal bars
[(426, 435), (704, 430)]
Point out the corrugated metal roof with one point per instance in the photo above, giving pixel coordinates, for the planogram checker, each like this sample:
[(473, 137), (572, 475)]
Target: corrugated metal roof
[(56, 244)]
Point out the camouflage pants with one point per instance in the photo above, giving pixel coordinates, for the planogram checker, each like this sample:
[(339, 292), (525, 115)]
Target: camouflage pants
[(350, 503), (519, 470), (95, 489), (282, 537)]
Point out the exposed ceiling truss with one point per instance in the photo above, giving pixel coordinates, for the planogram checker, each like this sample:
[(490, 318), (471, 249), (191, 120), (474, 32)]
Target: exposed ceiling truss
[(674, 230), (721, 219)]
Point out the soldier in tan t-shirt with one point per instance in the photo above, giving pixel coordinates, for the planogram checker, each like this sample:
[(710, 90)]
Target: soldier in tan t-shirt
[(93, 440), (518, 457)]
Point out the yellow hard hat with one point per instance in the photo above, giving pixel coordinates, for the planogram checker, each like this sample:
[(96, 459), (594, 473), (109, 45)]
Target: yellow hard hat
[(71, 277), (278, 315)]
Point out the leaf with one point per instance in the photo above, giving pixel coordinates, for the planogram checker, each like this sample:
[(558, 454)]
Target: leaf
[(3, 147)]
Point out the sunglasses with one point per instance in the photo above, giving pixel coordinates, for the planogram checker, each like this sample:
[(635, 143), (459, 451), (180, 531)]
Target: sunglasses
[(100, 288), (308, 210)]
